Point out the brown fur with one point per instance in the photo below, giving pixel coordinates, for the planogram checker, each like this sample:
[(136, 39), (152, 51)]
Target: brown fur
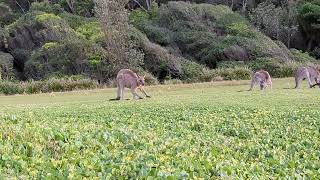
[(263, 78), (309, 73), (128, 79)]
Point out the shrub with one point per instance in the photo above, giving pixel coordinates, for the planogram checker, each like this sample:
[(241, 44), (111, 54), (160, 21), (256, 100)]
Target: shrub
[(302, 57), (24, 20), (240, 29), (50, 85), (230, 18), (44, 17), (6, 66), (137, 16), (6, 16), (66, 57), (79, 7), (191, 71), (202, 32), (33, 87), (75, 21), (274, 67), (316, 53), (286, 70), (172, 81), (91, 31), (50, 45), (150, 79), (160, 35), (207, 75), (237, 73), (10, 88), (45, 6), (230, 64)]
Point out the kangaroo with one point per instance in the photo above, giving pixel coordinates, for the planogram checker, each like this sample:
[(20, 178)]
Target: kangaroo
[(310, 73), (262, 77), (128, 79), (316, 84)]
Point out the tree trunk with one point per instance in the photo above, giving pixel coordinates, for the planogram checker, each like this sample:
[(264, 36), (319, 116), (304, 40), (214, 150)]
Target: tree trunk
[(149, 4), (244, 6), (289, 38), (232, 4), (310, 44)]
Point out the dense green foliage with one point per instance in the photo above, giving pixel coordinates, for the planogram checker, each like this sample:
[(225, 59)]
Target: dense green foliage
[(185, 131), (50, 85), (185, 41), (309, 15), (208, 34)]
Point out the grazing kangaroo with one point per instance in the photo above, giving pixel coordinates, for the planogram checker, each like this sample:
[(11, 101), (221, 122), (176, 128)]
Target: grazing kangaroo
[(128, 79), (316, 84), (262, 77), (309, 73)]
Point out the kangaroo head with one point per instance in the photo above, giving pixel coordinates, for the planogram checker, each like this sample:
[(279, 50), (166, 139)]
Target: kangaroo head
[(140, 80)]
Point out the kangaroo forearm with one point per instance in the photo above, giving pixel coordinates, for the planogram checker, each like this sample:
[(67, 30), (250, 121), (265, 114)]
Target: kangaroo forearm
[(145, 93)]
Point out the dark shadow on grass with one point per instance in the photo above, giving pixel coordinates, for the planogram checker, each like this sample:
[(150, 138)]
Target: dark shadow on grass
[(117, 99), (243, 90)]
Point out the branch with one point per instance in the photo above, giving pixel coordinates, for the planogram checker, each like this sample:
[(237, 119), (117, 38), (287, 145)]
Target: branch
[(19, 6), (139, 5), (70, 4)]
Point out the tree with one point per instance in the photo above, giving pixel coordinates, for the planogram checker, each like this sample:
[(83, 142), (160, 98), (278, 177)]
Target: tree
[(309, 16), (278, 21), (290, 23), (119, 49)]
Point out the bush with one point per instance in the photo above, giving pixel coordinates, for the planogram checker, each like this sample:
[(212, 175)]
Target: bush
[(45, 17), (6, 66), (46, 7), (172, 81), (91, 31), (159, 35), (150, 79), (286, 70), (137, 16), (237, 73), (230, 64), (6, 15), (302, 57), (27, 19), (80, 7), (50, 85), (274, 67), (191, 71), (203, 32), (316, 53), (240, 29), (207, 75), (10, 88), (33, 87), (75, 21), (67, 57)]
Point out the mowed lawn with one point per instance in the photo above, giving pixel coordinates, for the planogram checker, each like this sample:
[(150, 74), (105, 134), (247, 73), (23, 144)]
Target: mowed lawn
[(209, 130)]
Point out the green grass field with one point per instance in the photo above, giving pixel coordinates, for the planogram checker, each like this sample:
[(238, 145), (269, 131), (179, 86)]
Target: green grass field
[(210, 130)]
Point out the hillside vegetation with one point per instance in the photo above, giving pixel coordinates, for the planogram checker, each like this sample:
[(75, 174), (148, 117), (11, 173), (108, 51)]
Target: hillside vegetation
[(178, 40), (209, 131)]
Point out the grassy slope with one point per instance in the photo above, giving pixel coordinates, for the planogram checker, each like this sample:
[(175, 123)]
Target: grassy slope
[(200, 130)]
